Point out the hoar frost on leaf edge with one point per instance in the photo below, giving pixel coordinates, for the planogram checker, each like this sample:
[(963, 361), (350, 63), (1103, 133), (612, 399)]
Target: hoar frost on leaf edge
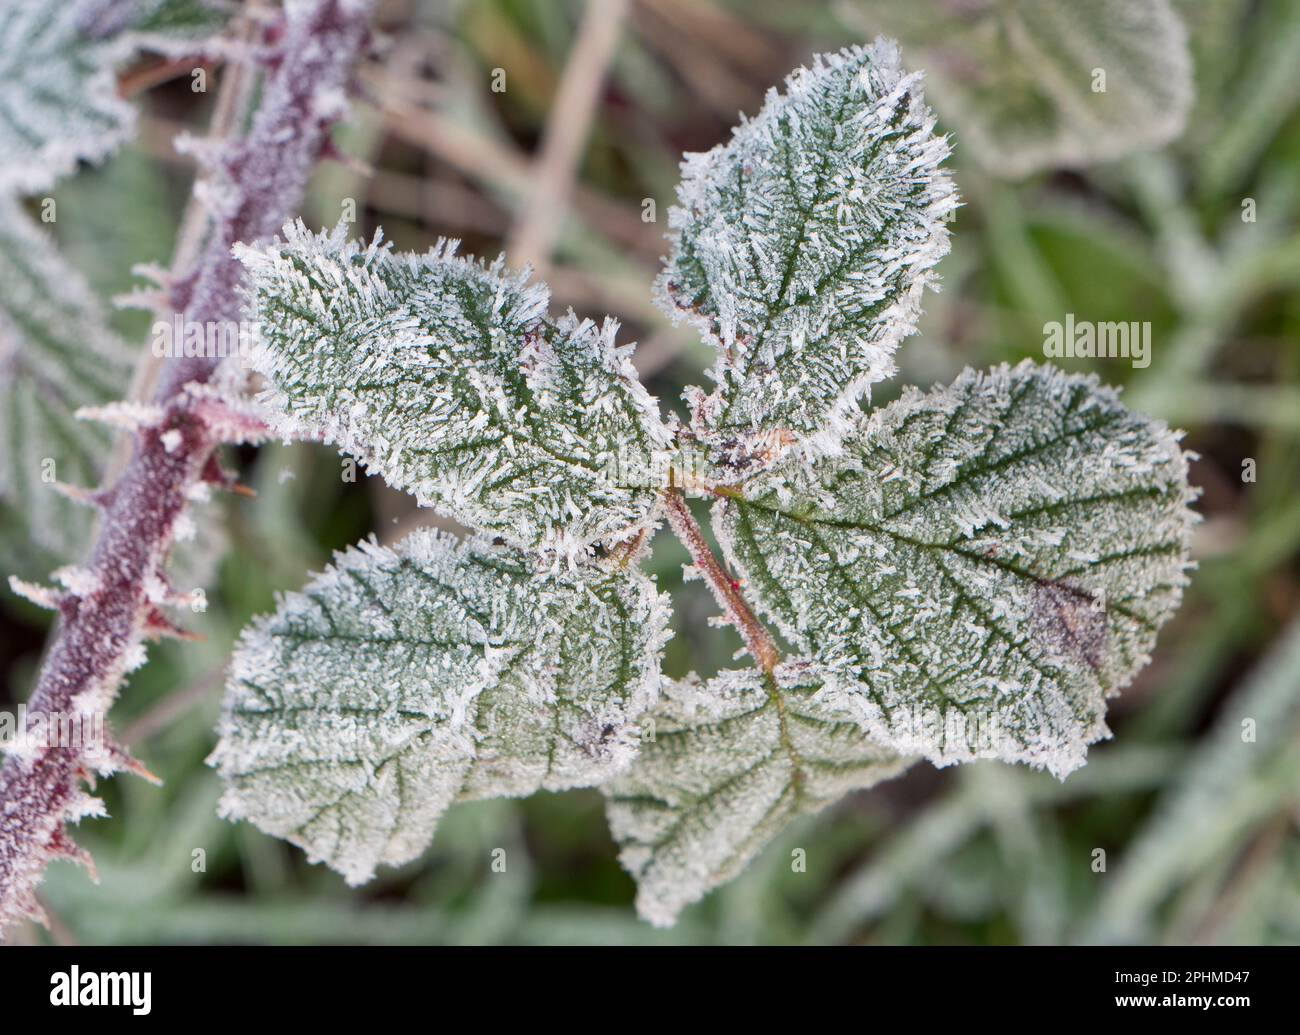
[(956, 607), (622, 500), (487, 694), (719, 247), (729, 764), (59, 152)]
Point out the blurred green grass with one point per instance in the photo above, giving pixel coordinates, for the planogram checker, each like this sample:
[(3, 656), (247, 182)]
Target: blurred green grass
[(1199, 828)]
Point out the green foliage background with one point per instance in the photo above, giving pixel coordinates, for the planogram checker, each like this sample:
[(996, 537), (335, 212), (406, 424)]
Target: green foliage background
[(1199, 828)]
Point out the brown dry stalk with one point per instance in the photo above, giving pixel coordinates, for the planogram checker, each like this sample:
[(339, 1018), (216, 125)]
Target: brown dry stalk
[(566, 132)]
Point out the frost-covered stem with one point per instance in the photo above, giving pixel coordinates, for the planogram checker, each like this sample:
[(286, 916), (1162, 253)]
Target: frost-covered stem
[(727, 591), (108, 610), (238, 80)]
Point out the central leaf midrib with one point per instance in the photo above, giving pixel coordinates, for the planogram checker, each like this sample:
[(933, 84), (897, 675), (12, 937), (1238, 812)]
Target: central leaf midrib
[(796, 248)]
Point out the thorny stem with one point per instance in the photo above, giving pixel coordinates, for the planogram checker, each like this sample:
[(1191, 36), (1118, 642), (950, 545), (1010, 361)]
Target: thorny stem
[(232, 103), (727, 591), (103, 619)]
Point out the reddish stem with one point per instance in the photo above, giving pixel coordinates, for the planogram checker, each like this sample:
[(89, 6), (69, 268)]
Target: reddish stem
[(727, 591)]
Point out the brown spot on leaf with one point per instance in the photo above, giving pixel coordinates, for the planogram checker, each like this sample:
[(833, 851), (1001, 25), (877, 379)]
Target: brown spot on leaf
[(1072, 620), (756, 449)]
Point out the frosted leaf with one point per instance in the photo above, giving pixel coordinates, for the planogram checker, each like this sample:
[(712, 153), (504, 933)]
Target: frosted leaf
[(801, 247), (56, 354), (983, 564), (730, 764), (170, 26), (447, 377), (402, 680), (58, 99), (1015, 78)]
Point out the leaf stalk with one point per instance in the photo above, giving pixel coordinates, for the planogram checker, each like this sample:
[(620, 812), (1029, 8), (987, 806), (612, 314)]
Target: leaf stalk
[(725, 589)]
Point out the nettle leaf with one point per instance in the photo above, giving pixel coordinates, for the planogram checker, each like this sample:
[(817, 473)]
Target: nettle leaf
[(447, 377), (57, 354), (1019, 78), (728, 765), (400, 681), (983, 564), (802, 246), (59, 104)]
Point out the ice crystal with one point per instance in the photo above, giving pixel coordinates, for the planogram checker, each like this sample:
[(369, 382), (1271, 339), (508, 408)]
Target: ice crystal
[(983, 564), (447, 377), (57, 355), (727, 766), (402, 680), (801, 248), (1018, 78)]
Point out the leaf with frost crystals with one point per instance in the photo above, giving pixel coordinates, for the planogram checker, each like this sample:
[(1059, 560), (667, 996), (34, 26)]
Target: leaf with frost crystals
[(57, 353), (399, 681), (730, 764), (171, 26), (801, 247), (58, 102), (1014, 78), (447, 377), (982, 566)]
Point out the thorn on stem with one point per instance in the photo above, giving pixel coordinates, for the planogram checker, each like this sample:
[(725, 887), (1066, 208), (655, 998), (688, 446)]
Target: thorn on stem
[(158, 626)]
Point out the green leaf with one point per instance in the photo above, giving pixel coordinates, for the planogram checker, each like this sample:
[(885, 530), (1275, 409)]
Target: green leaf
[(174, 25), (402, 680), (728, 765), (1017, 79), (981, 567), (447, 377), (59, 103), (801, 248), (56, 354)]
